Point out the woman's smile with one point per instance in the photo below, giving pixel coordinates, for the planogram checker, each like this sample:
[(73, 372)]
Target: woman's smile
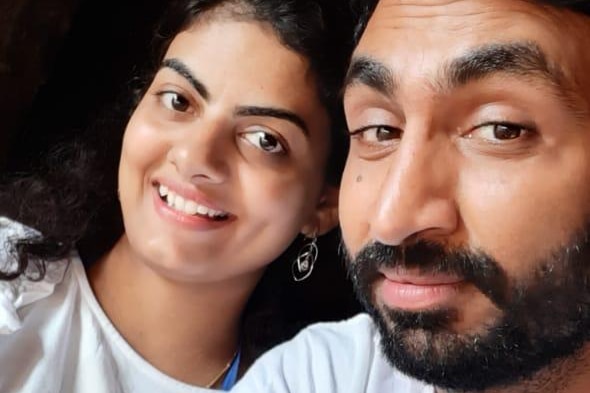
[(189, 208)]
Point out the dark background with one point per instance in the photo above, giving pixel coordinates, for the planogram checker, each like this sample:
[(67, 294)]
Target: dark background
[(63, 63)]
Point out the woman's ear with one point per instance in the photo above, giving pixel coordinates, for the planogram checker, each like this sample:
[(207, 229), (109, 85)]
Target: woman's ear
[(325, 217)]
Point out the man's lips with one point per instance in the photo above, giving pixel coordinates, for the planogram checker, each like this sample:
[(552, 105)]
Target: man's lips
[(414, 276), (412, 290)]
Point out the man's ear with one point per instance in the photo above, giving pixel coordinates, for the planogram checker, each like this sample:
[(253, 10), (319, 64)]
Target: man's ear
[(325, 217)]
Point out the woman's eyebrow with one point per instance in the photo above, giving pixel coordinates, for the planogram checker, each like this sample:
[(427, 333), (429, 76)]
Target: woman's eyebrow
[(182, 69), (278, 113)]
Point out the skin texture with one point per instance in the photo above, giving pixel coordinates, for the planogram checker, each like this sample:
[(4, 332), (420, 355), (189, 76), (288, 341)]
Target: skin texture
[(176, 292), (431, 166)]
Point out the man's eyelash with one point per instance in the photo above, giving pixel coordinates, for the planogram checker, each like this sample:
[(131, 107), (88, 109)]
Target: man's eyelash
[(366, 128)]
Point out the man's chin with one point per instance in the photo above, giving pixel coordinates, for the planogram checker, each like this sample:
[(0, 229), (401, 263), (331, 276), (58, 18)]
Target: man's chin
[(422, 346), (435, 319), (420, 334)]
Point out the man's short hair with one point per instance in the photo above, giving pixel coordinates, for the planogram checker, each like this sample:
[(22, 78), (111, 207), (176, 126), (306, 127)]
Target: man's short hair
[(582, 6), (363, 9)]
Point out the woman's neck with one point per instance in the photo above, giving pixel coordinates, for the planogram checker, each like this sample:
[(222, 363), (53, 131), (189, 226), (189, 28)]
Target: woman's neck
[(188, 331)]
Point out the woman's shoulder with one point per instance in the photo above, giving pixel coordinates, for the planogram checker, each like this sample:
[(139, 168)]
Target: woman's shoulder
[(10, 232), (21, 291)]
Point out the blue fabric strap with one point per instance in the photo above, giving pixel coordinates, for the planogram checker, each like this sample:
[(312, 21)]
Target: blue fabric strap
[(232, 374)]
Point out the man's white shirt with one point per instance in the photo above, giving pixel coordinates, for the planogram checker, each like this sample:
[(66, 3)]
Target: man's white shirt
[(335, 357)]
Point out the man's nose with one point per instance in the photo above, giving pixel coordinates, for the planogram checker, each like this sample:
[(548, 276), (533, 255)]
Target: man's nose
[(417, 196)]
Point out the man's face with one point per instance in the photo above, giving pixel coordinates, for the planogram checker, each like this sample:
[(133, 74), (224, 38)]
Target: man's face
[(465, 202)]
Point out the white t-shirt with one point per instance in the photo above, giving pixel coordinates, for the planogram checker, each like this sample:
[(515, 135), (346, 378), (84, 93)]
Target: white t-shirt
[(55, 337), (334, 357)]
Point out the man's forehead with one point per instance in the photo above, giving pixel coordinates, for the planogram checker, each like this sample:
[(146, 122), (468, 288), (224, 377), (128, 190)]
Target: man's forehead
[(454, 42), (454, 8), (399, 17), (417, 33)]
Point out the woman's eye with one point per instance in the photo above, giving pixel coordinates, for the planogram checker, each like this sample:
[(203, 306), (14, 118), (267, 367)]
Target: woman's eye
[(265, 141), (174, 101), (495, 132)]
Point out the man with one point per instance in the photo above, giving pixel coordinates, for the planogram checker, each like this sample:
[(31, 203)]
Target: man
[(465, 206)]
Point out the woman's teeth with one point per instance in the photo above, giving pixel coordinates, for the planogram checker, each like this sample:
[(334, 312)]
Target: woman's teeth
[(189, 207)]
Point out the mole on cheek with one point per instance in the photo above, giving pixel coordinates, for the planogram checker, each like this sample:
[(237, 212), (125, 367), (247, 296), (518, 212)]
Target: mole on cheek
[(359, 178)]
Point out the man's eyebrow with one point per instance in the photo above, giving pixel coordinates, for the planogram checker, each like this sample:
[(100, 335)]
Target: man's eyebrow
[(524, 59), (182, 70), (282, 114), (372, 73)]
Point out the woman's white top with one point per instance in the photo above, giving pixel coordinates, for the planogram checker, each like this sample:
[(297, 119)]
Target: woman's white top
[(55, 337)]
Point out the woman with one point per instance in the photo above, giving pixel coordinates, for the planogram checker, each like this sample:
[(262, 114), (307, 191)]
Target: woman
[(223, 163)]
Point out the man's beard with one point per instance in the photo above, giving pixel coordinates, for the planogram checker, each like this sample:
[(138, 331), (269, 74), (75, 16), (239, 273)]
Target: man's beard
[(544, 318)]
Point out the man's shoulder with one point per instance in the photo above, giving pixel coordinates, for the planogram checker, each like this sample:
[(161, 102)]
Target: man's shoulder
[(330, 340), (329, 357), (341, 341), (351, 325), (341, 334)]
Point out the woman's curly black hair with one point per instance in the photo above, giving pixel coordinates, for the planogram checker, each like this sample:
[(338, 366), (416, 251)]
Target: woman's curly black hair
[(71, 200)]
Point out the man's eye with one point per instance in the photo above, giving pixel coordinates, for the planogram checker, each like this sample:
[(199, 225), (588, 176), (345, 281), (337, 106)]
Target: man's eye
[(265, 141), (495, 132), (377, 134), (174, 101)]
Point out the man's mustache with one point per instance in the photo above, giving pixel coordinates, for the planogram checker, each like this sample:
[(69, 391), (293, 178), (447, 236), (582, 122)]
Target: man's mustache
[(431, 258)]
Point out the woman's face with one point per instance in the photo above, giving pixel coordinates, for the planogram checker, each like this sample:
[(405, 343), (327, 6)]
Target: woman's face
[(223, 160)]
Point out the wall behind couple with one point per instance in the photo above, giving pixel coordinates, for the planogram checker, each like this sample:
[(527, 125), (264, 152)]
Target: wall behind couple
[(63, 63)]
